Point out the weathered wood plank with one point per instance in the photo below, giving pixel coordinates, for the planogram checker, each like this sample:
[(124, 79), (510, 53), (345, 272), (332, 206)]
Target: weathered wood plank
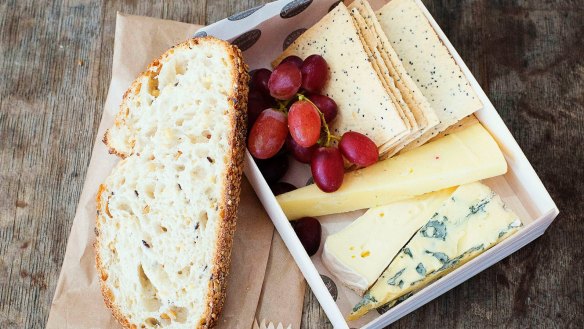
[(56, 64)]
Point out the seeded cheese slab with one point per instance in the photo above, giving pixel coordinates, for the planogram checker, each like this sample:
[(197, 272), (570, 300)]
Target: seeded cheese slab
[(416, 102), (364, 103), (429, 63)]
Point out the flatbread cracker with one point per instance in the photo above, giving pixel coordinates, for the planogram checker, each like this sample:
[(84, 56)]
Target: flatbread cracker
[(429, 63), (364, 104), (368, 42), (416, 102), (460, 125)]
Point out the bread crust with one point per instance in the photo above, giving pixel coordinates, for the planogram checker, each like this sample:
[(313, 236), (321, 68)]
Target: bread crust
[(105, 291), (230, 197), (232, 181)]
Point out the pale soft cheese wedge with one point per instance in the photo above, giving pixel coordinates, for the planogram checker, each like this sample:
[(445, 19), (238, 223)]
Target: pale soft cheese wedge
[(429, 63), (469, 222), (359, 253), (364, 103), (462, 157)]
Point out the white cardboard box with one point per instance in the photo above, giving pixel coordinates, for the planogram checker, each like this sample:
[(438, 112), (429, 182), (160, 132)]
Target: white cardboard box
[(520, 188)]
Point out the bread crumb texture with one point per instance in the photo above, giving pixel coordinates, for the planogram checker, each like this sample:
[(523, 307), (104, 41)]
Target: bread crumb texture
[(166, 213)]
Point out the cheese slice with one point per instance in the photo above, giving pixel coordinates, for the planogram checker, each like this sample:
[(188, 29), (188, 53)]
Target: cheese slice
[(469, 222), (358, 254), (462, 157)]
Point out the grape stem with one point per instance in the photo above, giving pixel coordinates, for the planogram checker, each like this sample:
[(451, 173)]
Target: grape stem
[(329, 137), (283, 105)]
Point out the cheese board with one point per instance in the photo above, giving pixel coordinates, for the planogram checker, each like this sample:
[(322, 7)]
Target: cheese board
[(519, 187)]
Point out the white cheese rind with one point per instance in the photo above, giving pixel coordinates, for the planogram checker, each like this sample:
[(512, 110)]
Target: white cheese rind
[(471, 221), (462, 157), (359, 253)]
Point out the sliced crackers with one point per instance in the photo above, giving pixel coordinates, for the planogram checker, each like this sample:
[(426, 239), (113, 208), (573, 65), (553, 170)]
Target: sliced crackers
[(369, 42), (390, 75), (414, 104), (429, 63), (365, 104)]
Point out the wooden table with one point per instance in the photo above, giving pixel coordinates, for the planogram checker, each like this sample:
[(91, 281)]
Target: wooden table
[(55, 64)]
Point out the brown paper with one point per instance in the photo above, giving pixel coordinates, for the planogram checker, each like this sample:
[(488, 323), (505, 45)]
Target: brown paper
[(283, 285), (77, 302)]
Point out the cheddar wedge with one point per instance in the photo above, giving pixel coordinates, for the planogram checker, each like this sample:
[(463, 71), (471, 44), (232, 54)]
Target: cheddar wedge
[(462, 157)]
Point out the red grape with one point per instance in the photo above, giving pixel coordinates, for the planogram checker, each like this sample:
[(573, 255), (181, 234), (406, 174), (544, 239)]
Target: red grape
[(358, 149), (309, 231), (259, 80), (314, 73), (256, 103), (267, 134), (304, 123), (302, 154), (294, 60), (273, 168), (285, 81), (282, 187), (326, 105), (327, 168)]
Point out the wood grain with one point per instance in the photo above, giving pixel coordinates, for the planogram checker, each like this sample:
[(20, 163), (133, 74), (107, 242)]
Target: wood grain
[(55, 61)]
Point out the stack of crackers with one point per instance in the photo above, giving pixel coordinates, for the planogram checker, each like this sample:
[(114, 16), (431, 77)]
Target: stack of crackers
[(390, 75)]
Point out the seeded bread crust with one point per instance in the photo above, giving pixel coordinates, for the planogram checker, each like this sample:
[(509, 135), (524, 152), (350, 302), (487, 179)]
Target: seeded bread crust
[(230, 195), (105, 291)]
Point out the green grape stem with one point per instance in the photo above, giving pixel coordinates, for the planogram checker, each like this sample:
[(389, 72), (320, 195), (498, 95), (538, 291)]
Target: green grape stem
[(283, 105), (328, 136)]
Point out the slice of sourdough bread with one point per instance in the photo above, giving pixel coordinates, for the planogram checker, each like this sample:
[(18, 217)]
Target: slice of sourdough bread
[(166, 214)]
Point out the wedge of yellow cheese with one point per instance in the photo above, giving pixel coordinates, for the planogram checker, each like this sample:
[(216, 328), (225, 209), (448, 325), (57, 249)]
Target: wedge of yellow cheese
[(462, 157)]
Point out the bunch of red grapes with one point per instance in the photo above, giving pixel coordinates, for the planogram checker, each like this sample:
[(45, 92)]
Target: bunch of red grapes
[(286, 107)]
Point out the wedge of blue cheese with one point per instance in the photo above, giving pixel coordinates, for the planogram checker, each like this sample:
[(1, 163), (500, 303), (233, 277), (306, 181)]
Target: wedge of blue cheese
[(358, 254), (469, 222)]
